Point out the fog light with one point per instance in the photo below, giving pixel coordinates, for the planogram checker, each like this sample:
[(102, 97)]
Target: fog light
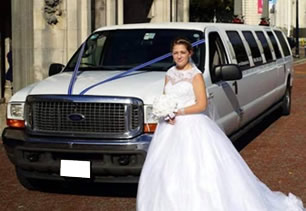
[(33, 157), (124, 160)]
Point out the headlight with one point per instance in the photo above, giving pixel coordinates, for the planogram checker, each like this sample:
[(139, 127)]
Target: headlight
[(148, 114), (15, 111), (149, 122)]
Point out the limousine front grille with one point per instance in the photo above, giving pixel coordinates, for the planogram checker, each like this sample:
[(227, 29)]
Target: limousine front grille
[(101, 117)]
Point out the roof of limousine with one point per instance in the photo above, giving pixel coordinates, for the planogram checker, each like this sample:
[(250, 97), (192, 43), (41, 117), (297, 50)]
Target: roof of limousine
[(181, 25)]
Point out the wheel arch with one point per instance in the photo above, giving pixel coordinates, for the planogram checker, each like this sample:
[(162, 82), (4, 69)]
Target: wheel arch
[(289, 81)]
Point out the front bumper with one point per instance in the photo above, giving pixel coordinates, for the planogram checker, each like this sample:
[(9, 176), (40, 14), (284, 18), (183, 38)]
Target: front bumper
[(39, 157)]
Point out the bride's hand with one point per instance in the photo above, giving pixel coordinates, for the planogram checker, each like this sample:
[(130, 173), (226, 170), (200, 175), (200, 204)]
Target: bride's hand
[(171, 121)]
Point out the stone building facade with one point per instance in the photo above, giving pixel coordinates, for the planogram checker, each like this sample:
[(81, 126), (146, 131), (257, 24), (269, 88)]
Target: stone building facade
[(49, 31)]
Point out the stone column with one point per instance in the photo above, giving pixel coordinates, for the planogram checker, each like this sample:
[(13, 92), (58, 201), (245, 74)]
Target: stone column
[(100, 13), (110, 12), (238, 8), (162, 10), (265, 9), (114, 12), (182, 10), (22, 43), (120, 13)]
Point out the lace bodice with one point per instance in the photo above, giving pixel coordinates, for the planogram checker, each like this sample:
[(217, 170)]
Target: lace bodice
[(179, 85)]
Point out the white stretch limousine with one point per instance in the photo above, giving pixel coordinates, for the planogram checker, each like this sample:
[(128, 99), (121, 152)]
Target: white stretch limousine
[(95, 113)]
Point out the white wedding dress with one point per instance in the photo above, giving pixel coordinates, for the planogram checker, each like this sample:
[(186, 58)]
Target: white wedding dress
[(193, 166)]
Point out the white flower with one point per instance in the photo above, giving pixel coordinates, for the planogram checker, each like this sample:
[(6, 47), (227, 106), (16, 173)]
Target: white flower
[(164, 106)]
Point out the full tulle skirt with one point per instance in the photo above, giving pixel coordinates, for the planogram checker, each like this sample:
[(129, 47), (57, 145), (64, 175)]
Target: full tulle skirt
[(193, 166)]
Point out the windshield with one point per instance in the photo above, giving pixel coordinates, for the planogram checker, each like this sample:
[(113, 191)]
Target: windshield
[(124, 49)]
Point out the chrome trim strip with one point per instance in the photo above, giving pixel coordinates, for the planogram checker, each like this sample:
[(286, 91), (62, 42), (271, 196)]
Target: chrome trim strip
[(141, 142), (85, 98)]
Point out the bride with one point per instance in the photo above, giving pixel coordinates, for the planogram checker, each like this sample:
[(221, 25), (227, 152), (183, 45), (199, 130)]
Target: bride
[(191, 165)]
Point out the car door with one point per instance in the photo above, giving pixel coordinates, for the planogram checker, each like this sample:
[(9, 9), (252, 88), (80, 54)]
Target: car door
[(258, 78), (280, 63), (223, 102), (282, 82)]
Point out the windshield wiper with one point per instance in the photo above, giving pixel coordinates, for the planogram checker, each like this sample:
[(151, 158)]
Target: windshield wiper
[(92, 67), (97, 68), (119, 67)]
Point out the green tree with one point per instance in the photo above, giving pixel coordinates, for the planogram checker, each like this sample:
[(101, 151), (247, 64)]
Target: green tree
[(207, 10)]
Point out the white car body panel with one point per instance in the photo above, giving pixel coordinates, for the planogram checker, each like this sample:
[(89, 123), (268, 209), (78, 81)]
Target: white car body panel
[(142, 84)]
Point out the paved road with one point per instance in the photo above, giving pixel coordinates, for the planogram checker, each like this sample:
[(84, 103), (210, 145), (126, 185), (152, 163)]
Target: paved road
[(275, 150)]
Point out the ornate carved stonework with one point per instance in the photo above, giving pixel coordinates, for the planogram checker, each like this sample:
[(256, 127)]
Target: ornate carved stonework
[(52, 11)]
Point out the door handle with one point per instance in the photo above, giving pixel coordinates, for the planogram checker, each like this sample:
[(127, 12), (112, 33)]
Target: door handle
[(240, 112), (210, 96), (236, 87)]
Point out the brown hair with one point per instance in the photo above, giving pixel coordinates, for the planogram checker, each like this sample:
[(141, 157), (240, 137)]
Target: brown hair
[(182, 41)]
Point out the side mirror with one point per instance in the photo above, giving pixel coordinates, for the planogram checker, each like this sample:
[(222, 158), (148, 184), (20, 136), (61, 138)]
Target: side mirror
[(55, 68), (228, 72), (291, 42)]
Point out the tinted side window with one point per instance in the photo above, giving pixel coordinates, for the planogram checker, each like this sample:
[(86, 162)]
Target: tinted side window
[(283, 43), (241, 55), (253, 46), (265, 45), (275, 45)]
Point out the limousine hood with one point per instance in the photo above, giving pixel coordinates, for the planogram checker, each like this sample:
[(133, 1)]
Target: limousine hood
[(141, 84)]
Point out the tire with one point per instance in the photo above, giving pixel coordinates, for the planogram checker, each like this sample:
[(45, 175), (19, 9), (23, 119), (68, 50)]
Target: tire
[(24, 181), (286, 102)]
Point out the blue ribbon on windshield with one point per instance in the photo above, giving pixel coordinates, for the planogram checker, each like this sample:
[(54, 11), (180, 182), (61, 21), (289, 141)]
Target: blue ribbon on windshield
[(76, 70), (120, 75)]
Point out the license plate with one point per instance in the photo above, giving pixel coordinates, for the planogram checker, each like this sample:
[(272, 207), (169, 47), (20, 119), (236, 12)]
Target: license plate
[(75, 168)]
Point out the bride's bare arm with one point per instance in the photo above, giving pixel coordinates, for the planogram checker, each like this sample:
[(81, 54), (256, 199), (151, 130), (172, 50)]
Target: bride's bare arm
[(200, 94), (166, 81)]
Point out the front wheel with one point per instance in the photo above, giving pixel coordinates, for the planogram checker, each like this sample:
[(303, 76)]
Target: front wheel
[(286, 104)]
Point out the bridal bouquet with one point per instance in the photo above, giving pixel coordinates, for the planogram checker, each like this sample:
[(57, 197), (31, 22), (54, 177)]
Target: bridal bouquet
[(164, 106)]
